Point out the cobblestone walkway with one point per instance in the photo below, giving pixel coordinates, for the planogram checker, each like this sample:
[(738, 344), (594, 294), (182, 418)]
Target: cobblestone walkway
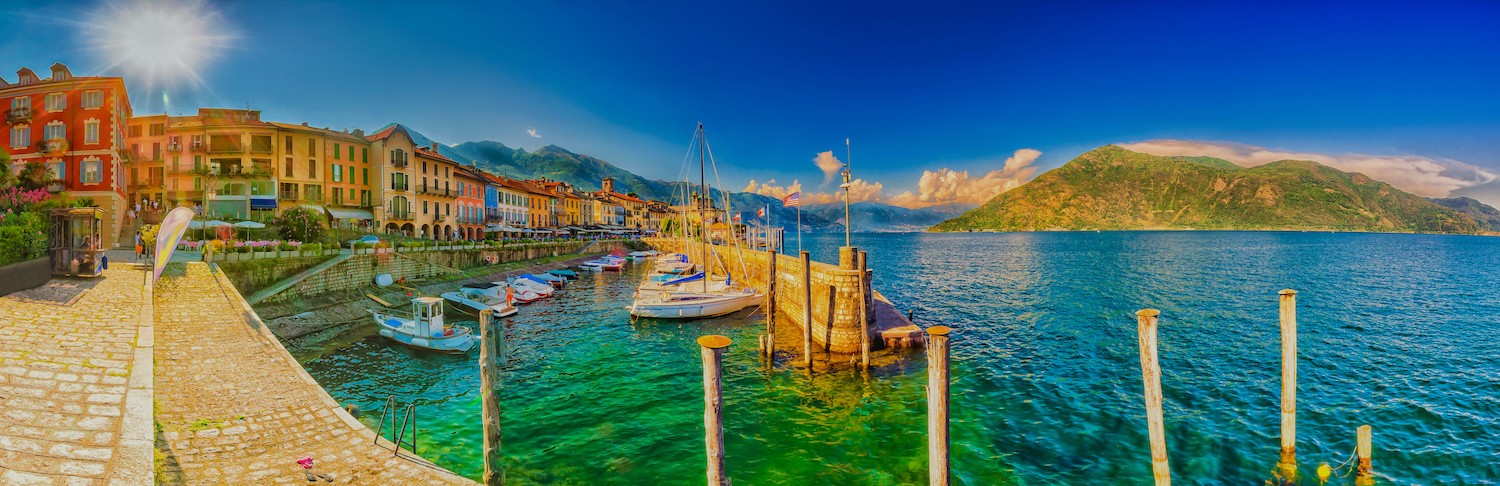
[(235, 408), (67, 350)]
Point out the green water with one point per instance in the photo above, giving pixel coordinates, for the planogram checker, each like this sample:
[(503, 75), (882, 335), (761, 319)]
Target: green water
[(1397, 331)]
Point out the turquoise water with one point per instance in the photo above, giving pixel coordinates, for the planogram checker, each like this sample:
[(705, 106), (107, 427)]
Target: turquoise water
[(1397, 331)]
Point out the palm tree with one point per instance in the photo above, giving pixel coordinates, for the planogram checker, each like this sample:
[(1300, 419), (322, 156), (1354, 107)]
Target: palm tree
[(34, 175)]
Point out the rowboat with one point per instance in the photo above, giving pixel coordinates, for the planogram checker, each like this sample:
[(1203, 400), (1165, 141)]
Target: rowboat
[(423, 327)]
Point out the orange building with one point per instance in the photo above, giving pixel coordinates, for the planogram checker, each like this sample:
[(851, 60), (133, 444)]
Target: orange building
[(469, 205), (76, 126)]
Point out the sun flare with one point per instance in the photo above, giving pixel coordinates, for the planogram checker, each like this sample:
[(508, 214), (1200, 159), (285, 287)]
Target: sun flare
[(164, 44)]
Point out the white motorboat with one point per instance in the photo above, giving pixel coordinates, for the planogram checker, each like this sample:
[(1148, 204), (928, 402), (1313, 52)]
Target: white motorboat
[(692, 305), (521, 283), (673, 263), (644, 254), (423, 327), (474, 298)]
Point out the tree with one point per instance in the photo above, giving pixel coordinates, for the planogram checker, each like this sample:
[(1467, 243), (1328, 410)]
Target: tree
[(6, 180), (301, 224), (34, 175)]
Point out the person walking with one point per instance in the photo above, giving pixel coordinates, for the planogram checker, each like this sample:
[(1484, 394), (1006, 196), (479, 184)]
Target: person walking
[(138, 246)]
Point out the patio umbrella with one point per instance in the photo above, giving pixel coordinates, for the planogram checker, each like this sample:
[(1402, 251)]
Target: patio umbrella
[(249, 225), (215, 224)]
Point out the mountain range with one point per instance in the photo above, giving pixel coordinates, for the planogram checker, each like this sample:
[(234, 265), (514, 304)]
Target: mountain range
[(586, 173), (1112, 188)]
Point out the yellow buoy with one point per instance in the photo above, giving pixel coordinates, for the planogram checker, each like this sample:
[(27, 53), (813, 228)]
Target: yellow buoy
[(1323, 472)]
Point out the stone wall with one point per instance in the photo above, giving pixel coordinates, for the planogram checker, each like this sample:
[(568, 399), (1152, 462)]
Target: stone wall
[(359, 271), (835, 290), (252, 275)]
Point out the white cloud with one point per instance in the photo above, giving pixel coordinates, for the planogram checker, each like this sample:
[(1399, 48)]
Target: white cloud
[(946, 186), (1424, 176), (829, 164), (533, 133), (860, 190)]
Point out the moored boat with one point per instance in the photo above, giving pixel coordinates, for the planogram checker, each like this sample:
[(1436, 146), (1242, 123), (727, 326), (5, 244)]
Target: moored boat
[(423, 327), (473, 299), (564, 273)]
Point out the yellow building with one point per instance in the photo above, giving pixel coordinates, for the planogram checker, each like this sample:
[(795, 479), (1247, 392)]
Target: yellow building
[(328, 171), (219, 160), (392, 191), (437, 191)]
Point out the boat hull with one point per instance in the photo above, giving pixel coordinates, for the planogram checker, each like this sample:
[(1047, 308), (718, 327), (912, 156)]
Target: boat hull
[(695, 307)]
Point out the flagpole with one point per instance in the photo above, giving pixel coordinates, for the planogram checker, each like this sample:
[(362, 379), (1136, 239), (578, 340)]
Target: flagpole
[(799, 226)]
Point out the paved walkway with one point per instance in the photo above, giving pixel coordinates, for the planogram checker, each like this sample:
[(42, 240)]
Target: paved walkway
[(75, 402), (234, 407)]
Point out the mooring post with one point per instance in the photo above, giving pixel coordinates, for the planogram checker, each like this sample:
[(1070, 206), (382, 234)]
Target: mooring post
[(713, 405), (771, 304), (1151, 375), (490, 348), (937, 405), (1288, 375), (864, 314), (1362, 444), (807, 308)]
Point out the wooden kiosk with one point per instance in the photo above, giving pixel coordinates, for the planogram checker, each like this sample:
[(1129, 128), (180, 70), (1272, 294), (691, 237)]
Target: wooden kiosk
[(74, 244)]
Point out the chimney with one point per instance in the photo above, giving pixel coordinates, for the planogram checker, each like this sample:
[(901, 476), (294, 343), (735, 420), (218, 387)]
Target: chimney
[(434, 146), (358, 132), (305, 124)]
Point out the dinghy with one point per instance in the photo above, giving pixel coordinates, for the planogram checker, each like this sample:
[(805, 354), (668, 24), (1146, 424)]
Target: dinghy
[(423, 327), (564, 273)]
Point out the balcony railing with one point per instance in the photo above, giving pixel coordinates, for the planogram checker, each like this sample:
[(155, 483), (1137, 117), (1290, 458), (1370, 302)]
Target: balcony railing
[(401, 188), (174, 147), (399, 162), (437, 191), (18, 115), (393, 213), (196, 146), (55, 146)]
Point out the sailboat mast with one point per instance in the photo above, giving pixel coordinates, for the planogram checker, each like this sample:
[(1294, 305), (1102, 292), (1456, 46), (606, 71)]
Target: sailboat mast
[(702, 215)]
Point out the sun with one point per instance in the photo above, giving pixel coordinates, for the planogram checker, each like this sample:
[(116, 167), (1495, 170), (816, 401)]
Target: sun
[(163, 44)]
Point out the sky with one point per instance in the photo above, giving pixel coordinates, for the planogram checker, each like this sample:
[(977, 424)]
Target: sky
[(940, 103)]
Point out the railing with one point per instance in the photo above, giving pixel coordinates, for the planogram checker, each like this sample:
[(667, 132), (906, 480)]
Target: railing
[(55, 146), (196, 146), (174, 147), (401, 188), (397, 213), (16, 115), (437, 191), (400, 163), (398, 433)]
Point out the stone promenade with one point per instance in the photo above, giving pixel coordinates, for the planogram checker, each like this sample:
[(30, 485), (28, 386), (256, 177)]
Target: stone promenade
[(233, 407), (75, 382)]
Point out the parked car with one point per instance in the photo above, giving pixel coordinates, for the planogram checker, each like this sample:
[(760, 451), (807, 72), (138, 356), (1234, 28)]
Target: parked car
[(368, 239)]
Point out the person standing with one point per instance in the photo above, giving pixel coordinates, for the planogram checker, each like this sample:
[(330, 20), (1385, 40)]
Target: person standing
[(138, 246)]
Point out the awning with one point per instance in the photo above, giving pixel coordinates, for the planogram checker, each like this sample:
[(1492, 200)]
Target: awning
[(262, 203), (316, 208), (337, 213)]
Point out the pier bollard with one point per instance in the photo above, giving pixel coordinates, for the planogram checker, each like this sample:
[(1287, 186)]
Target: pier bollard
[(490, 347), (807, 320), (1362, 445), (1288, 375), (1151, 376), (937, 405), (771, 305), (864, 313), (713, 405)]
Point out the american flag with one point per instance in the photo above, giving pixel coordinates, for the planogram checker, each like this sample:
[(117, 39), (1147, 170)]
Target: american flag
[(761, 213), (792, 200)]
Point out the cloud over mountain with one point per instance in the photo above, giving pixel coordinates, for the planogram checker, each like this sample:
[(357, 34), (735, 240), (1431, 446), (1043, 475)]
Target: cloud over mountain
[(1424, 176), (829, 164), (947, 186), (860, 190)]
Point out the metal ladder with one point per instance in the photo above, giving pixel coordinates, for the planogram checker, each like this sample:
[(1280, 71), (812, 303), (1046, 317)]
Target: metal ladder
[(398, 434)]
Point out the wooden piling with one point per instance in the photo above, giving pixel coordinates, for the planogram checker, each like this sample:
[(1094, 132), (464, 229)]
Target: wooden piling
[(937, 405), (1151, 376), (864, 320), (713, 418), (771, 304), (807, 316), (1362, 445), (1288, 375), (490, 347)]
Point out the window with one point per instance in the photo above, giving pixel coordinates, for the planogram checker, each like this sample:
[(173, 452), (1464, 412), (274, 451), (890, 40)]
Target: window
[(155, 150), (197, 183), (424, 207), (335, 151), (158, 129), (288, 171), (351, 194), (312, 147), (93, 99), (57, 170), (197, 162), (93, 172), (22, 103), (176, 163), (312, 169), (20, 136), (448, 209), (91, 131), (261, 144), (365, 174), (364, 155), (338, 173), (55, 131), (56, 101)]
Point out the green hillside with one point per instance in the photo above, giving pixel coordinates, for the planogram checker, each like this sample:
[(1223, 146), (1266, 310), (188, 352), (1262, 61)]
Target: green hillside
[(1112, 188)]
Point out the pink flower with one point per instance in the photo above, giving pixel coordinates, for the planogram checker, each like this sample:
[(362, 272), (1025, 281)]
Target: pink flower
[(306, 462)]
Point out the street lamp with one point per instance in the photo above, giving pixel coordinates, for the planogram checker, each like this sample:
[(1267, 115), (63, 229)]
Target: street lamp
[(845, 187)]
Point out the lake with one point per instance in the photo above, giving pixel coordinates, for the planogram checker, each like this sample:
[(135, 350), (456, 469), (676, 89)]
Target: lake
[(1396, 331)]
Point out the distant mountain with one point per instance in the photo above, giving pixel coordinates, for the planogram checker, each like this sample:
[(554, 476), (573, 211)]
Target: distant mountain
[(1113, 188), (1487, 217), (878, 217)]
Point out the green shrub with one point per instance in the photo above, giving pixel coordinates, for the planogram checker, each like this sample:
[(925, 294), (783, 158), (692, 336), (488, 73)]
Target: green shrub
[(286, 247), (313, 248), (363, 245), (301, 224)]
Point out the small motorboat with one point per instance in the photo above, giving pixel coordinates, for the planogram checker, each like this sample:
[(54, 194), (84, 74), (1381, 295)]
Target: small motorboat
[(592, 266), (474, 298), (564, 273), (647, 253), (692, 305), (673, 263), (423, 327), (547, 278), (606, 263), (522, 283)]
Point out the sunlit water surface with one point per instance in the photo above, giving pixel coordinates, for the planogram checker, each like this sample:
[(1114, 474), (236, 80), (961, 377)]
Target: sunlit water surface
[(1397, 331)]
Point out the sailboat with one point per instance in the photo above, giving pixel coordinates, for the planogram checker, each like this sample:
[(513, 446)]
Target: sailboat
[(667, 295)]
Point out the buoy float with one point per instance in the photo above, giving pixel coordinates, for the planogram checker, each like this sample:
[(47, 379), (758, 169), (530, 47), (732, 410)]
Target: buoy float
[(1323, 472)]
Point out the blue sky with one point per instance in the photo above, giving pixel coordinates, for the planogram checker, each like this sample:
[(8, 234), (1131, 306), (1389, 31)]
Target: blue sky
[(916, 86)]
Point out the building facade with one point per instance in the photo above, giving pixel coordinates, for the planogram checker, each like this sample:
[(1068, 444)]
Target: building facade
[(76, 127), (393, 195), (469, 205)]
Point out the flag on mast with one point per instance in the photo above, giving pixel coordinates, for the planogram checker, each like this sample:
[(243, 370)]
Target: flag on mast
[(792, 200), (761, 213), (737, 217)]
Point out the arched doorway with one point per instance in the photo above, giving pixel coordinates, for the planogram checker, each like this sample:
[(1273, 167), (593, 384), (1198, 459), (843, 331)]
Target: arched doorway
[(391, 228), (407, 229)]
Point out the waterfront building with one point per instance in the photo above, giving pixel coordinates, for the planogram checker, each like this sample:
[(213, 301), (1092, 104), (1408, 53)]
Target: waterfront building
[(328, 171), (511, 202), (656, 213), (76, 126), (538, 205), (219, 161), (634, 208), (392, 192), (470, 203), (437, 192)]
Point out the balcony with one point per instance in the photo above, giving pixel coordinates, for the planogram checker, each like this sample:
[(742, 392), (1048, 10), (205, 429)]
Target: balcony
[(401, 188), (437, 191), (56, 146), (18, 115), (394, 214), (196, 146), (174, 148)]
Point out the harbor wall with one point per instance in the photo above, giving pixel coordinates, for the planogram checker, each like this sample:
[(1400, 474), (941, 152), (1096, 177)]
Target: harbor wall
[(835, 291), (251, 275)]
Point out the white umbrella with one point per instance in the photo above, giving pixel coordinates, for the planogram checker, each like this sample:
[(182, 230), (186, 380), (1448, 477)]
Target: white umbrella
[(195, 224), (249, 225), (215, 224)]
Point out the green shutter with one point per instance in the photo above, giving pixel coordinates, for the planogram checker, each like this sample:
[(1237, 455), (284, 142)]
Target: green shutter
[(335, 151), (364, 156)]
